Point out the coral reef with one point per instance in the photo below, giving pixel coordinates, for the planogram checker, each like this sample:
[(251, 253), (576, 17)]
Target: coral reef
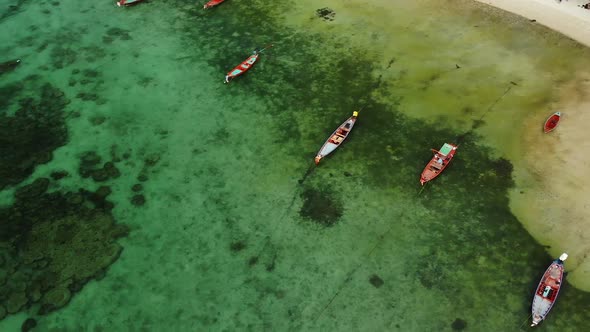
[(29, 137), (52, 244)]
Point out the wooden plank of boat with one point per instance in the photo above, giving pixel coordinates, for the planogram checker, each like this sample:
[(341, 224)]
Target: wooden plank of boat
[(212, 3), (552, 122), (127, 3), (337, 137), (438, 163), (547, 290), (244, 66)]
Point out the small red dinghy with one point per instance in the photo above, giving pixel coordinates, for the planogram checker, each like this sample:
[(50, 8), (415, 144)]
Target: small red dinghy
[(212, 3), (244, 66), (438, 163), (548, 290), (552, 122), (337, 137), (127, 3)]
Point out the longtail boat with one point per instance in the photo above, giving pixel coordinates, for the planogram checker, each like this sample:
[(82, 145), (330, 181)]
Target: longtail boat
[(552, 122), (337, 137), (438, 163), (244, 66), (126, 3), (548, 290), (212, 3)]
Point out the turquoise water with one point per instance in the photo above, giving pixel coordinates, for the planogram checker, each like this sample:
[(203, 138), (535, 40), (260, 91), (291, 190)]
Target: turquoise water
[(232, 228)]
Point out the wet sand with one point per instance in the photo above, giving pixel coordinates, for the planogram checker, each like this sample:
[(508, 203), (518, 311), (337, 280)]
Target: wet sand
[(551, 177)]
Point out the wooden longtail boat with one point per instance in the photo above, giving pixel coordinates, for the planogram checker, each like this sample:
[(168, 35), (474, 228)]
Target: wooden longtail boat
[(337, 137), (548, 290), (438, 163), (212, 3), (126, 3), (244, 66), (552, 122)]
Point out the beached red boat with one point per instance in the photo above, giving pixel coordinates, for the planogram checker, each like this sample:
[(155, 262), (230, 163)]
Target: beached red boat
[(337, 137), (438, 163), (548, 290), (212, 3), (126, 3), (244, 66), (552, 122)]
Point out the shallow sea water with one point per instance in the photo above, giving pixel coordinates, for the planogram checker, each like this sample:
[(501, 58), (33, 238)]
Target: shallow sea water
[(239, 231)]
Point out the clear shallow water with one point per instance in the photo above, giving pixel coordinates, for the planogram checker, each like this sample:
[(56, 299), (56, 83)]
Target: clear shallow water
[(232, 235)]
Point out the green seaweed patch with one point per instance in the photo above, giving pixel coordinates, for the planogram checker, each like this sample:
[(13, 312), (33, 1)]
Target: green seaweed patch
[(237, 246), (320, 207)]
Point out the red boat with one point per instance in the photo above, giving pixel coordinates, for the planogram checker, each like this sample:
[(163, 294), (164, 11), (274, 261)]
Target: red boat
[(438, 163), (127, 3), (212, 3), (548, 290), (244, 66), (337, 137), (552, 122)]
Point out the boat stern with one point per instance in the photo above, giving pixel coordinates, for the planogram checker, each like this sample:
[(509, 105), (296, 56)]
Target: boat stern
[(318, 158)]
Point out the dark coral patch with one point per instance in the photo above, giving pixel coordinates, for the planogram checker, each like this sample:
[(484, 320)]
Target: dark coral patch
[(459, 325), (320, 207), (53, 244), (237, 246), (376, 281)]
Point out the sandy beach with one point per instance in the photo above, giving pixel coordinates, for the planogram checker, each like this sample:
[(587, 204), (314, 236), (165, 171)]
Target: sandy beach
[(557, 185), (565, 16)]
